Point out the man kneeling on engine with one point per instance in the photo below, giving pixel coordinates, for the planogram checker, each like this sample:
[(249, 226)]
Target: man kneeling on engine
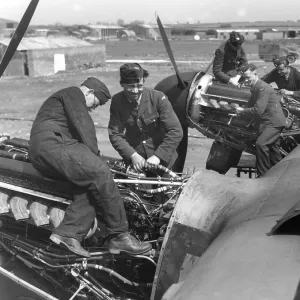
[(264, 105), (143, 127), (228, 57), (63, 144)]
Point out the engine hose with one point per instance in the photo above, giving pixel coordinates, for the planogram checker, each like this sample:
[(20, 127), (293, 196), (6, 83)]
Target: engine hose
[(115, 274), (24, 260), (164, 169), (154, 191), (294, 109), (16, 156), (49, 255), (138, 176)]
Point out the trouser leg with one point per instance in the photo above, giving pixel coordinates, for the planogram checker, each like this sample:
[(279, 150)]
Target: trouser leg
[(75, 162), (266, 139), (85, 169), (275, 155), (79, 216)]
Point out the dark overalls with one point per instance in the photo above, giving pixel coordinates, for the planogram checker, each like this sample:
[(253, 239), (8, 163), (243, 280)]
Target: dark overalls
[(264, 105), (63, 144), (226, 62)]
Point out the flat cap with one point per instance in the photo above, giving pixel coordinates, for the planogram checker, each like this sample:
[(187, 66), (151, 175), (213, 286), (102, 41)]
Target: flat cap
[(236, 38), (131, 73), (280, 61), (100, 89)]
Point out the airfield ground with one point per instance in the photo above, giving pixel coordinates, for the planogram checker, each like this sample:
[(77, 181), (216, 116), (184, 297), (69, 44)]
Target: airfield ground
[(21, 97)]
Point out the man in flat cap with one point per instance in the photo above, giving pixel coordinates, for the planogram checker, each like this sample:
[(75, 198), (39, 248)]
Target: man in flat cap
[(287, 78), (143, 127), (228, 57), (63, 144), (264, 106)]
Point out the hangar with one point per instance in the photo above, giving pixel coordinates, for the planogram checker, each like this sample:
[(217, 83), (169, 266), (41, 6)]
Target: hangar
[(38, 56)]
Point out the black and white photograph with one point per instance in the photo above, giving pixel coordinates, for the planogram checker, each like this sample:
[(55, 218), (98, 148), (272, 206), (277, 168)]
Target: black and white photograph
[(149, 150)]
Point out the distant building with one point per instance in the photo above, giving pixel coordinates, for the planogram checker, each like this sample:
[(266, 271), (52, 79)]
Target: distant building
[(7, 27), (126, 35), (39, 56), (105, 32), (150, 31), (46, 32), (270, 35), (249, 34)]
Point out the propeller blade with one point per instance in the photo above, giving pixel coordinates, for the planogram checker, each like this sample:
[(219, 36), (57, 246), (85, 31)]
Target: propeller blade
[(169, 51), (18, 35)]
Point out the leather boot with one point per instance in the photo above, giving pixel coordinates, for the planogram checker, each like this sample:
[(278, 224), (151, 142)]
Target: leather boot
[(72, 244), (124, 242)]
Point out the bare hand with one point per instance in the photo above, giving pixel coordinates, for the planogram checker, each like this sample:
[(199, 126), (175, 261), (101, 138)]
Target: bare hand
[(153, 161), (235, 80), (239, 110), (138, 162), (286, 92)]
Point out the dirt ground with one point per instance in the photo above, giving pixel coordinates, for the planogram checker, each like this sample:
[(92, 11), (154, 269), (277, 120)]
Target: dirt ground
[(21, 97)]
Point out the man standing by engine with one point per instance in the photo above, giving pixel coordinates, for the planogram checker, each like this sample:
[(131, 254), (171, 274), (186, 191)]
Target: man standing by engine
[(143, 127), (287, 78), (228, 57), (264, 105), (63, 144)]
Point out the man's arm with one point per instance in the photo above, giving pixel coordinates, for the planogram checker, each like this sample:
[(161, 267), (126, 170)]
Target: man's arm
[(218, 67), (268, 78), (80, 118), (261, 102), (172, 127), (297, 79), (116, 130)]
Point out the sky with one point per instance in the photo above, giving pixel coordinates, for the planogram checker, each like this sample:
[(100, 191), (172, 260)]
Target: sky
[(169, 11)]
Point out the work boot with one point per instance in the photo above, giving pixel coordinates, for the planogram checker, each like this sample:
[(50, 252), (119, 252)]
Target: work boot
[(71, 243), (127, 243)]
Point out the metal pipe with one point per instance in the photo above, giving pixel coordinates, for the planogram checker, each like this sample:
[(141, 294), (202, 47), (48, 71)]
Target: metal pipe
[(224, 97), (134, 181)]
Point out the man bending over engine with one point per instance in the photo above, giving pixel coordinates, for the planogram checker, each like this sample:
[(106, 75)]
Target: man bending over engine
[(287, 78), (63, 144), (264, 105), (228, 57), (143, 127)]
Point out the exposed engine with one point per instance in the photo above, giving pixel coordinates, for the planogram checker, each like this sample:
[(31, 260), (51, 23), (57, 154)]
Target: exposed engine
[(31, 205), (211, 110)]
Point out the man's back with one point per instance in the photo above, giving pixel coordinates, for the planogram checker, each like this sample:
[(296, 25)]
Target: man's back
[(267, 102), (66, 112)]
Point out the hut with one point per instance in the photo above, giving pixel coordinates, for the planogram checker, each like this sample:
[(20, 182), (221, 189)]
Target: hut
[(150, 31), (104, 32), (126, 35), (248, 33), (38, 56)]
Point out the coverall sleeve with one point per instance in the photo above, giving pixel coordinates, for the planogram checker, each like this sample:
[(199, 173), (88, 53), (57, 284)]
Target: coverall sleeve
[(262, 99), (268, 78), (80, 118), (243, 58), (172, 127), (116, 130), (218, 67), (297, 92)]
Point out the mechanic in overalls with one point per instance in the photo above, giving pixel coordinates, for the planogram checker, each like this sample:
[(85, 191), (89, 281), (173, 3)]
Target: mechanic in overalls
[(264, 106), (143, 127), (286, 77), (63, 144), (228, 58)]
